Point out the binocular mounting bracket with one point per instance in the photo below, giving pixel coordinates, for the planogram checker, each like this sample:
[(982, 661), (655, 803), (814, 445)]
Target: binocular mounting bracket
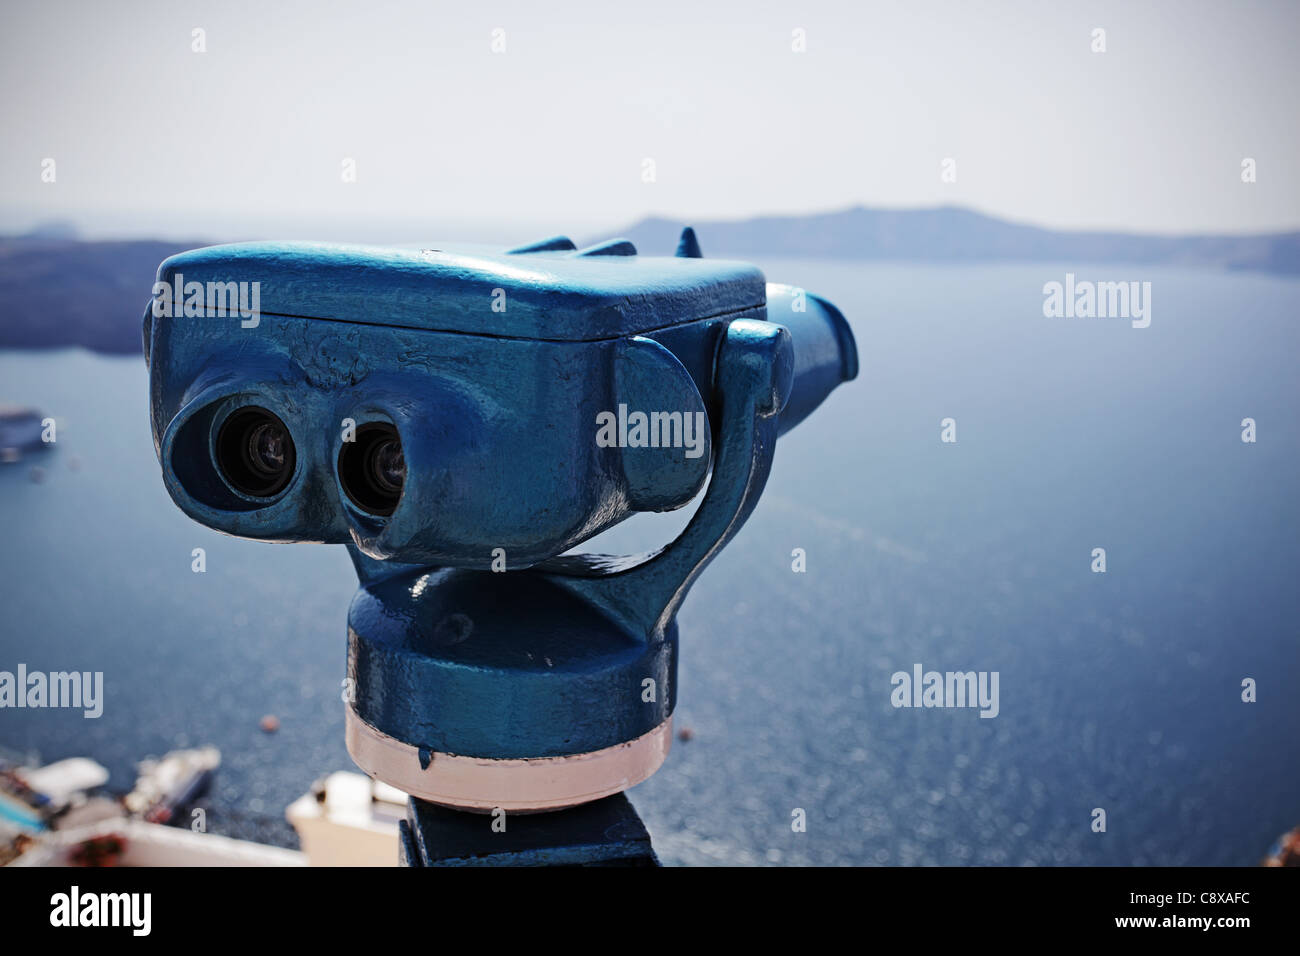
[(553, 686)]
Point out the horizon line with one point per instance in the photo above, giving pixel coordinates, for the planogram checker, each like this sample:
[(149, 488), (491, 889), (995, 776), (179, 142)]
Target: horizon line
[(88, 232)]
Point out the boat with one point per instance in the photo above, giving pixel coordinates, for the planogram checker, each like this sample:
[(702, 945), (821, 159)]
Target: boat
[(1286, 851), (33, 799), (168, 785), (58, 815), (37, 802), (21, 432)]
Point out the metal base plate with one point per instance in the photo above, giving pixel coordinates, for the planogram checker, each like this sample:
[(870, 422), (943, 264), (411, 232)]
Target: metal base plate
[(604, 833)]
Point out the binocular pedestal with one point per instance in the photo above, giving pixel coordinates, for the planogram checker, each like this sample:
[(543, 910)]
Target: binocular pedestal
[(483, 691), (554, 686)]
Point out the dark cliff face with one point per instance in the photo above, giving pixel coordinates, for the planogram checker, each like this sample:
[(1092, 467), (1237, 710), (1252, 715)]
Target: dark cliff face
[(57, 292)]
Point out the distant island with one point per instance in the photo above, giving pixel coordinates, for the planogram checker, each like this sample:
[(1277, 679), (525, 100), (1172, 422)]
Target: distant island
[(950, 234), (57, 290)]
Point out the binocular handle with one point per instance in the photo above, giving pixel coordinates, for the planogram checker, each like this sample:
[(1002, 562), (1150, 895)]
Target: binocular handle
[(754, 378)]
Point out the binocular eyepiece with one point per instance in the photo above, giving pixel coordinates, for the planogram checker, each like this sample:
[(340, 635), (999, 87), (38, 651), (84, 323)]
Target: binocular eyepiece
[(255, 454), (372, 469)]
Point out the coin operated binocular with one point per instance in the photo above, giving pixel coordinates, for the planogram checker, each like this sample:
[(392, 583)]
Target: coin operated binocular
[(461, 421)]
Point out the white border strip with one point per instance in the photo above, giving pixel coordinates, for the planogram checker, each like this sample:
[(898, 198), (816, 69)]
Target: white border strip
[(519, 784)]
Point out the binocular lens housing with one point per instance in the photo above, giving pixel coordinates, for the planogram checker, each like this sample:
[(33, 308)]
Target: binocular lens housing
[(255, 452), (372, 469)]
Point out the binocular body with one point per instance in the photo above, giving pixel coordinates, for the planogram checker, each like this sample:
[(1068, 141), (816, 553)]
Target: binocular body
[(461, 421)]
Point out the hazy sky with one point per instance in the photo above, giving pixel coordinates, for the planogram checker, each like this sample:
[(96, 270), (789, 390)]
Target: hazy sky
[(249, 137)]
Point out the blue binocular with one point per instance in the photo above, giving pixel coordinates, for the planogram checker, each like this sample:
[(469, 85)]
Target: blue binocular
[(461, 420)]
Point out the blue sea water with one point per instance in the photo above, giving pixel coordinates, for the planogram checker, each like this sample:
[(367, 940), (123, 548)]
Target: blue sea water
[(1119, 690)]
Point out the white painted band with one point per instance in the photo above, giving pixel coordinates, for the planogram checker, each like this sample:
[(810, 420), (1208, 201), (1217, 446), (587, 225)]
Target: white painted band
[(520, 784)]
